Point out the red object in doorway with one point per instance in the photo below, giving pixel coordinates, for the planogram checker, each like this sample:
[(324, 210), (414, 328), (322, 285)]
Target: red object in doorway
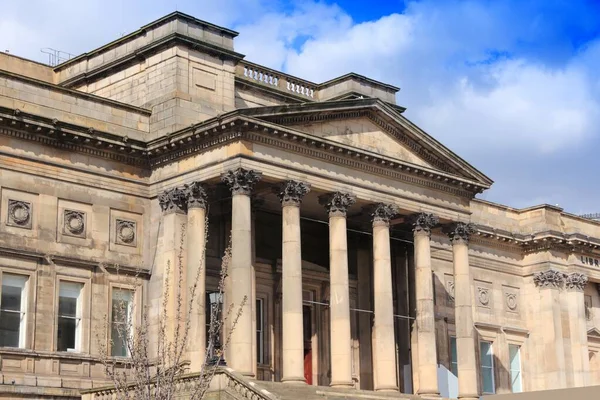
[(308, 366)]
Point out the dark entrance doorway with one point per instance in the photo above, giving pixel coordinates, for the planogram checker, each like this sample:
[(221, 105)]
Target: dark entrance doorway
[(307, 329)]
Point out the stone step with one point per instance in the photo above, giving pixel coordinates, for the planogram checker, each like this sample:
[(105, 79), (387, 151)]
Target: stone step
[(287, 391)]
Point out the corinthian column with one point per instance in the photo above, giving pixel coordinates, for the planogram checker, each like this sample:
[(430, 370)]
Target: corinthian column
[(427, 351), (291, 194), (465, 332), (575, 284), (336, 205), (173, 203), (384, 351), (196, 273), (241, 182)]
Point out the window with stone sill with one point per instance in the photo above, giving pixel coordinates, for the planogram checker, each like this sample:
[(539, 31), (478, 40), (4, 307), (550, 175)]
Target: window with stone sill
[(260, 353), (487, 367), (514, 353), (13, 310), (69, 316), (453, 356), (121, 321)]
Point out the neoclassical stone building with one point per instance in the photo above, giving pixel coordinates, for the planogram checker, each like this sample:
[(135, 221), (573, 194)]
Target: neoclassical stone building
[(357, 238)]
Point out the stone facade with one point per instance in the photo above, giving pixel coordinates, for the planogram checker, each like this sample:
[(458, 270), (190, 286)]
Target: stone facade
[(358, 239)]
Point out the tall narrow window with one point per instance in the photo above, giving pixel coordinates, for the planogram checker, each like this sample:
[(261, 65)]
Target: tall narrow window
[(122, 322), (487, 367), (453, 356), (514, 352), (259, 331), (13, 306), (69, 316)]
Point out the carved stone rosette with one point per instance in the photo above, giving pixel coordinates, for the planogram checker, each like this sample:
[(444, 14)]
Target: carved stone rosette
[(576, 281), (173, 201), (74, 223), (511, 301), (459, 231), (382, 212), (19, 214), (125, 232), (290, 193), (423, 222), (337, 203), (549, 279), (196, 195), (241, 180)]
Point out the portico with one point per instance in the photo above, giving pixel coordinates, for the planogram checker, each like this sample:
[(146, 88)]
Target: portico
[(318, 340)]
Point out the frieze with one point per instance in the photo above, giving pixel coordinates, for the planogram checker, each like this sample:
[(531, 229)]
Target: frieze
[(291, 192), (74, 223), (19, 214)]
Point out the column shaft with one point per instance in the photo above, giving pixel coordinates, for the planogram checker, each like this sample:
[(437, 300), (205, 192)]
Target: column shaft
[(239, 354), (196, 275), (465, 331), (575, 284), (339, 303), (384, 309), (426, 341), (293, 341), (240, 347)]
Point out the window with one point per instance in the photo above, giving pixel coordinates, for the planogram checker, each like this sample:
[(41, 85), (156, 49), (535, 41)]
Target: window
[(514, 352), (487, 367), (122, 322), (69, 316), (259, 332), (453, 356), (13, 305)]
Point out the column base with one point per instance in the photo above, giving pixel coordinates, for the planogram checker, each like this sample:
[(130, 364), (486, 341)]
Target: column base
[(468, 397), (342, 385), (387, 389), (429, 395), (294, 380)]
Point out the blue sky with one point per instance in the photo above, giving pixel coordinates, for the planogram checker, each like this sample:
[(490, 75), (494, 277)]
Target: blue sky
[(511, 86)]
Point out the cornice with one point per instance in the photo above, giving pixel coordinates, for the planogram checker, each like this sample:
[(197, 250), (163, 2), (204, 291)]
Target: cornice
[(146, 51), (74, 138), (66, 260)]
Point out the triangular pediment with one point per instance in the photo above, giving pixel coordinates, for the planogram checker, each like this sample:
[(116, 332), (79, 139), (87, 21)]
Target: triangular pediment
[(363, 134), (374, 126), (594, 333)]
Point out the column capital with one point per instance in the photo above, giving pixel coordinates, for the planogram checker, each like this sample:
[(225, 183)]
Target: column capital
[(549, 279), (576, 281), (337, 203), (241, 180), (173, 201), (382, 212), (291, 192), (423, 223), (459, 231), (196, 195)]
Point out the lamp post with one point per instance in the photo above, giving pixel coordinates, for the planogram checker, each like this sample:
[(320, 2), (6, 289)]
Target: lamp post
[(215, 350)]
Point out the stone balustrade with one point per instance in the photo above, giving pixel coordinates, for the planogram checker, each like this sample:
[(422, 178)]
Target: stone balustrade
[(276, 79)]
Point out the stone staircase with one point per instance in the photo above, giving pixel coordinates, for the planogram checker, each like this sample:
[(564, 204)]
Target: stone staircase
[(287, 391)]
